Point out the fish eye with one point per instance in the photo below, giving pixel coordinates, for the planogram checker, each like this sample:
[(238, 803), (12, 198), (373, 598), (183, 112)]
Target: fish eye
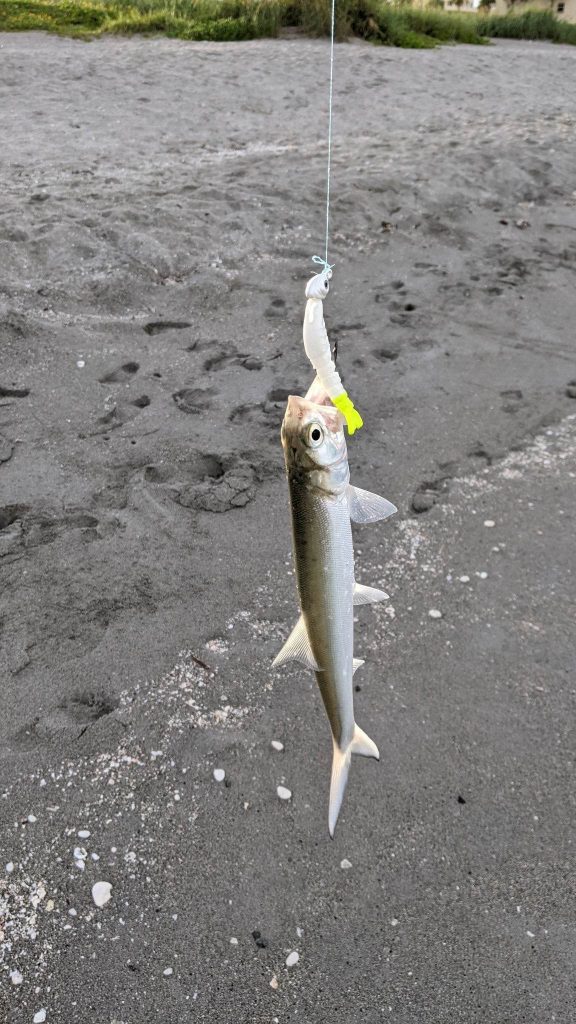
[(315, 435), (325, 284)]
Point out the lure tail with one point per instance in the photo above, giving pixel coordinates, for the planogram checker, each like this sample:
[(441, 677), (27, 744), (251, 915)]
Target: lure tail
[(361, 744)]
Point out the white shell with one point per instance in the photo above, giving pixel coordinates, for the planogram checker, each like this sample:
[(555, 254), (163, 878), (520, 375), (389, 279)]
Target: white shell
[(101, 893)]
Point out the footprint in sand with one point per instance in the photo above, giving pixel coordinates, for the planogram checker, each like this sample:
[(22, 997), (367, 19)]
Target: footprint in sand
[(194, 400), (430, 491), (277, 308), (480, 457), (6, 449), (10, 514), (22, 525), (268, 413), (44, 527), (386, 353), (119, 414), (121, 374), (74, 715), (142, 402), (13, 392), (158, 326), (403, 314), (426, 495), (207, 482), (221, 360), (512, 400), (11, 517)]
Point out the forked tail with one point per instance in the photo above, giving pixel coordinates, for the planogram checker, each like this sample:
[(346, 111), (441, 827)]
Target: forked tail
[(361, 744)]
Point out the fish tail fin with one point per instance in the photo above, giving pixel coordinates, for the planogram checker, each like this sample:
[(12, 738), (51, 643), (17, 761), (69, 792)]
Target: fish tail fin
[(340, 768), (361, 744)]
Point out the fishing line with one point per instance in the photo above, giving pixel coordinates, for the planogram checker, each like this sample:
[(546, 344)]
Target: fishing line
[(318, 259)]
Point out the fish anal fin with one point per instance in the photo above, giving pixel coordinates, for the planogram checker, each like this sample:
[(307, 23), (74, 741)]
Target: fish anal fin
[(366, 507), (297, 648), (368, 595)]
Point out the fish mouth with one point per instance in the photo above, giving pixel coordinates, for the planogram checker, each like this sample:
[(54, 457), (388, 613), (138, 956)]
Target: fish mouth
[(300, 409)]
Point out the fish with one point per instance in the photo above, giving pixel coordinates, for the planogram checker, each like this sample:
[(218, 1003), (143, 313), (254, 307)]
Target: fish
[(323, 505)]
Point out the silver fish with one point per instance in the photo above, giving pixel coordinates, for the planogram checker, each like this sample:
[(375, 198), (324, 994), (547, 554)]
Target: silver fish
[(323, 503)]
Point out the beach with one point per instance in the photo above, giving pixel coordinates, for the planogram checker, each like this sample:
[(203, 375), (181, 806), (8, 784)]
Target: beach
[(160, 203)]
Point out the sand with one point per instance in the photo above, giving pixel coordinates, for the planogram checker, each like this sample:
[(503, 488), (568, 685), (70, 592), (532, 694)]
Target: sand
[(160, 203)]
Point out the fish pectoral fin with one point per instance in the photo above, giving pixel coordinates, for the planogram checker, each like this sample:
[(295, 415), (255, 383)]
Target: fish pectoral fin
[(297, 648), (362, 744), (368, 595), (356, 664), (366, 507)]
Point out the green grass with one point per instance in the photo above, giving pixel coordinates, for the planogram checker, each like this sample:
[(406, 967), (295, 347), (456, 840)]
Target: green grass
[(393, 23), (530, 25)]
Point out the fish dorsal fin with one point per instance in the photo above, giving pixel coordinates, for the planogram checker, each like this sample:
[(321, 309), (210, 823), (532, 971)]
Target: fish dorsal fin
[(356, 664), (297, 648), (368, 595), (366, 507)]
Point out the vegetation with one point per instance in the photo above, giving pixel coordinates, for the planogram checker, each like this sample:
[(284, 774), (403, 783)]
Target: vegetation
[(380, 21), (530, 25)]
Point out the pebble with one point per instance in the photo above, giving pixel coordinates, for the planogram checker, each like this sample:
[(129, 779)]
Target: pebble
[(274, 982), (345, 864), (80, 364), (233, 941), (219, 774), (283, 793), (39, 1017), (32, 818), (464, 579), (394, 922), (435, 613), (167, 972), (101, 893), (83, 834), (10, 867), (489, 522), (16, 978), (277, 745), (292, 959), (482, 575)]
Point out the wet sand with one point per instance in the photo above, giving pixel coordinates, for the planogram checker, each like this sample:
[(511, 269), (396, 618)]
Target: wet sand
[(160, 203)]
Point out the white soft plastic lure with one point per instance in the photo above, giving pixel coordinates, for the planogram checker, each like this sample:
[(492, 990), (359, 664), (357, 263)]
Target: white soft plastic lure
[(317, 347), (323, 503)]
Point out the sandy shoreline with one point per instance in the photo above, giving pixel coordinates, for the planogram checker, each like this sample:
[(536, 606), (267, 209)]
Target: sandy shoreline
[(160, 202)]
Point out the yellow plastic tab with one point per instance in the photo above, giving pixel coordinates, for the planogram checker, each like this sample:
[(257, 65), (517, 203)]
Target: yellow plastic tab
[(346, 406)]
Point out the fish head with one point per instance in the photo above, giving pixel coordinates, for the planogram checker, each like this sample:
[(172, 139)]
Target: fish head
[(314, 442), (319, 285)]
